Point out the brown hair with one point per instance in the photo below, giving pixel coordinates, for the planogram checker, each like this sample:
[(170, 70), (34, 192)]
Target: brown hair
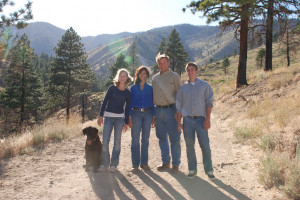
[(160, 56), (191, 64), (116, 79), (137, 80)]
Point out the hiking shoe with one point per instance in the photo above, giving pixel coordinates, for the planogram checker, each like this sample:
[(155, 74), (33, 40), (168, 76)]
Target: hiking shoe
[(145, 167), (175, 169), (163, 167), (112, 169), (211, 176), (101, 168), (192, 174), (134, 169)]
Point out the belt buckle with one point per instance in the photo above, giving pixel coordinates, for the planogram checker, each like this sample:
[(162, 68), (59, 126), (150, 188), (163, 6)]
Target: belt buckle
[(142, 109)]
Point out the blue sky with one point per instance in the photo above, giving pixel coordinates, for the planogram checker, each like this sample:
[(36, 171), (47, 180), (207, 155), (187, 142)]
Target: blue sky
[(94, 17)]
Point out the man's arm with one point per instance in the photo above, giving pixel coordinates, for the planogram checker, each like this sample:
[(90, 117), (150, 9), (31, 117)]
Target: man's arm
[(206, 122)]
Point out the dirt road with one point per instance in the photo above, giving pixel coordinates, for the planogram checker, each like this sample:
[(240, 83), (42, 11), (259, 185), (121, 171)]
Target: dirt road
[(56, 172)]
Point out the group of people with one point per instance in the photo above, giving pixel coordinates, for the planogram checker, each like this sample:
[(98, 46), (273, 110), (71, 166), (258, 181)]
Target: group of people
[(162, 105)]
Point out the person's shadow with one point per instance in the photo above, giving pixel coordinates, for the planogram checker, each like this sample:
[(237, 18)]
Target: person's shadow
[(105, 184), (198, 188)]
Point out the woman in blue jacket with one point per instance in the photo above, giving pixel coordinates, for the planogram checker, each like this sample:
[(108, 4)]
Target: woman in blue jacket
[(140, 119)]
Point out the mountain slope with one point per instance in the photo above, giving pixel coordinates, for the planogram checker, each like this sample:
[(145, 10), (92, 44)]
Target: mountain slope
[(202, 43)]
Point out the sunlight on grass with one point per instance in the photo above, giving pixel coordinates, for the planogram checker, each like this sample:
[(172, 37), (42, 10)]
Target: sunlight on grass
[(270, 173), (245, 133), (52, 130)]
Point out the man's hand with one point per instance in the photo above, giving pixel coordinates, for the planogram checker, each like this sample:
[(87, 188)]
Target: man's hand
[(179, 127), (206, 123)]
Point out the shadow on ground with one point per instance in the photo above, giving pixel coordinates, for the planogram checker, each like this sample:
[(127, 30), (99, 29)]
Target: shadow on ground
[(107, 185)]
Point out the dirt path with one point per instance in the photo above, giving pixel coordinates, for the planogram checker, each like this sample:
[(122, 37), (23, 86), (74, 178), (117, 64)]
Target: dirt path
[(56, 172)]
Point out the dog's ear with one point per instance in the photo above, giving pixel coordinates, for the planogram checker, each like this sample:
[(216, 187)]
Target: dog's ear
[(95, 130), (85, 130)]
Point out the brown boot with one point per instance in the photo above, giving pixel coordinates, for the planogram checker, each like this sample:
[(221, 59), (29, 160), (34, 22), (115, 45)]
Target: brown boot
[(163, 167), (175, 169), (145, 167)]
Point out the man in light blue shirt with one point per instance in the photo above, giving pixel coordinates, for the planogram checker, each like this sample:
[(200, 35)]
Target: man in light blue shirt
[(194, 102)]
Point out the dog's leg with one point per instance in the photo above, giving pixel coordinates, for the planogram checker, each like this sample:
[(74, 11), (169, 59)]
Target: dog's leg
[(86, 161)]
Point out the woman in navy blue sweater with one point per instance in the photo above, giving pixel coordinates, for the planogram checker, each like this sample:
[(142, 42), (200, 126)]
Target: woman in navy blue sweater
[(117, 97), (141, 117)]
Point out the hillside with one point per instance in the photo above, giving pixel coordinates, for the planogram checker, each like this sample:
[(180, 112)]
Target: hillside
[(202, 43)]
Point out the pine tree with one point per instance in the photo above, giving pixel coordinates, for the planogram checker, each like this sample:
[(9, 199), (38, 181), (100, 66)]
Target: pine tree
[(261, 54), (162, 46), (134, 59), (175, 50), (225, 63), (86, 79), (17, 18), (23, 88), (65, 71), (234, 13)]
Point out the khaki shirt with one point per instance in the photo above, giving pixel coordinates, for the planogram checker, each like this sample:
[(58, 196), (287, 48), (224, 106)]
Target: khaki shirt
[(165, 86)]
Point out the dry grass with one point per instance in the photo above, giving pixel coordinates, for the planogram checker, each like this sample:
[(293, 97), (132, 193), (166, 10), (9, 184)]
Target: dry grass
[(54, 129), (268, 118), (291, 188), (270, 173), (246, 133)]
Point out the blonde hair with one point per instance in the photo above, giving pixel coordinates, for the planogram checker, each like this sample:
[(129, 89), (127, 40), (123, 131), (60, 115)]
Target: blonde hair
[(116, 79), (160, 56)]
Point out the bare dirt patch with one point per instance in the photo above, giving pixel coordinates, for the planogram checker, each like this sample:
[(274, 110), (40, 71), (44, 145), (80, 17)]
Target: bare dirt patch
[(56, 172)]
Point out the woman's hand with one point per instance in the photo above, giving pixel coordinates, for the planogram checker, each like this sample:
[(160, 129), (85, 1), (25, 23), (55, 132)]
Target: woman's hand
[(125, 128), (153, 122), (130, 122), (100, 121)]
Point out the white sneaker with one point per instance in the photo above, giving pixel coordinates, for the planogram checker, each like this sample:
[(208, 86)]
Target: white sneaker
[(101, 168), (112, 169)]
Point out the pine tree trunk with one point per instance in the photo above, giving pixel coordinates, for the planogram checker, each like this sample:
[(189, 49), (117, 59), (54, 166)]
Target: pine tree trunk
[(242, 66), (68, 99), (269, 36), (22, 101), (287, 48)]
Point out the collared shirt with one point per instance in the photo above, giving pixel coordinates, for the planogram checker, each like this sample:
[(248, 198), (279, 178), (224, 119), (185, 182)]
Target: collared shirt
[(192, 100), (165, 86), (141, 98), (115, 101)]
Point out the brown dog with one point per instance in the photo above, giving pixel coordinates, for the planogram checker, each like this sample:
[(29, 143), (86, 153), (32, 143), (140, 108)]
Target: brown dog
[(93, 148)]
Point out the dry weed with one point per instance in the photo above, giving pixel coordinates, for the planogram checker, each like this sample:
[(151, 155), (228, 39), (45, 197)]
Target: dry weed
[(270, 172), (53, 129)]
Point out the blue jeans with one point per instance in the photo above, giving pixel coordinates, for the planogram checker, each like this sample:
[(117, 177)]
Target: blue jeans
[(190, 127), (166, 125), (141, 122), (117, 124)]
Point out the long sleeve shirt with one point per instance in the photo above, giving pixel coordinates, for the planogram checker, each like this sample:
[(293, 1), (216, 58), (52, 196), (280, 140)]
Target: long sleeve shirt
[(192, 100), (165, 86), (141, 98), (115, 100)]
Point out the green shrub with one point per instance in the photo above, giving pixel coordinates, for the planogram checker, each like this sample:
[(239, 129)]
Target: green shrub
[(270, 172), (268, 143), (38, 138), (292, 185), (245, 133)]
